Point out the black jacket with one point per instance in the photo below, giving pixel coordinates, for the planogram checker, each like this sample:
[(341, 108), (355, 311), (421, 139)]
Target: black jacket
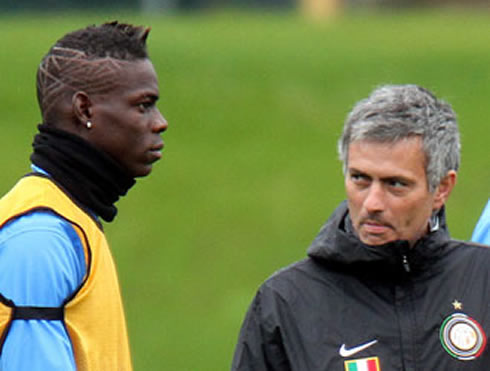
[(425, 308)]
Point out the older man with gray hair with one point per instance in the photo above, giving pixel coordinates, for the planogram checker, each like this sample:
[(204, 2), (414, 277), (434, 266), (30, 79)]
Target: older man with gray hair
[(383, 286)]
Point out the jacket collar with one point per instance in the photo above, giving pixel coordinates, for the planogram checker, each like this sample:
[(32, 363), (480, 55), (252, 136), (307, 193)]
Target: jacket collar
[(337, 244)]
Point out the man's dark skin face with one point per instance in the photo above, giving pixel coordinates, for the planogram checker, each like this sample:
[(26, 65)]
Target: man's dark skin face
[(126, 124)]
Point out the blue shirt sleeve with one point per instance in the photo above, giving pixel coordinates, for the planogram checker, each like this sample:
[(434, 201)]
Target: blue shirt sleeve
[(42, 263), (481, 233)]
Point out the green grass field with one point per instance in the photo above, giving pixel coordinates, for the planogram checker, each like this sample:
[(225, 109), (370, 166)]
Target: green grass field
[(255, 103)]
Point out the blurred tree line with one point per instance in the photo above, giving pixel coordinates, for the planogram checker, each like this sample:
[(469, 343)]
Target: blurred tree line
[(150, 5), (48, 5), (414, 3), (155, 5)]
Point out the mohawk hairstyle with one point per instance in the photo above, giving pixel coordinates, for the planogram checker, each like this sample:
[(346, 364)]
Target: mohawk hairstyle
[(88, 60), (113, 39)]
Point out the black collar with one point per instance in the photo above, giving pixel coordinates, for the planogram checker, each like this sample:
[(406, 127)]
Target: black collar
[(338, 245), (88, 174)]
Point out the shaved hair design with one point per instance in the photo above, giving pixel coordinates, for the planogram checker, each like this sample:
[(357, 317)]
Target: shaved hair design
[(88, 60)]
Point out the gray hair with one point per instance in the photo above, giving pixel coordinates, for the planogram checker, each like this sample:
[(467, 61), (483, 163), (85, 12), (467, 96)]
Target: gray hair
[(395, 112)]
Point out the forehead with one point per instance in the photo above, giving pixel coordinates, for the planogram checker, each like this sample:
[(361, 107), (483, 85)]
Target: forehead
[(135, 76), (403, 158)]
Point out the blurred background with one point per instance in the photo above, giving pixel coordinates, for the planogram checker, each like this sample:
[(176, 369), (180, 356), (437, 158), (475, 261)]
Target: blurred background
[(255, 92)]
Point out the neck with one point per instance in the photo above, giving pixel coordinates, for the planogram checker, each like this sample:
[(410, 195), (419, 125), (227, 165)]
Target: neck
[(88, 174)]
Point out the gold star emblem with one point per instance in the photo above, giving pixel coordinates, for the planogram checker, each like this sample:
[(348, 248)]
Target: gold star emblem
[(457, 305)]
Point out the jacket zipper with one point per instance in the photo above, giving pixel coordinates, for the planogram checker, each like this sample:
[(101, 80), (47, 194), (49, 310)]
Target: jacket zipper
[(406, 264)]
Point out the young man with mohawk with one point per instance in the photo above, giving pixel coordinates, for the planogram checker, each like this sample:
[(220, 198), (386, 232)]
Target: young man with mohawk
[(60, 304)]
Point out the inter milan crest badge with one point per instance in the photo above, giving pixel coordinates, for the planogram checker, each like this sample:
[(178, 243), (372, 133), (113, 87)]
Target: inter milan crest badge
[(462, 337)]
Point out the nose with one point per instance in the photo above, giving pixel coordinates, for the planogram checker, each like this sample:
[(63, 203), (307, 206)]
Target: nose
[(159, 122), (375, 198)]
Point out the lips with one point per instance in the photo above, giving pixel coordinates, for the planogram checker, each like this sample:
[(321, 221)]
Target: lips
[(156, 150), (375, 227), (158, 147)]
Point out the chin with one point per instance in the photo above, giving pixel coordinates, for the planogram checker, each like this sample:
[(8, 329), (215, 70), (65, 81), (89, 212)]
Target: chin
[(142, 172), (376, 241)]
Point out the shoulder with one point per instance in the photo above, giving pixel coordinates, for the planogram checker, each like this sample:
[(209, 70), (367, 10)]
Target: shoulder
[(41, 259), (471, 247), (302, 279), (37, 221), (38, 235), (307, 269), (468, 256), (481, 233), (482, 229)]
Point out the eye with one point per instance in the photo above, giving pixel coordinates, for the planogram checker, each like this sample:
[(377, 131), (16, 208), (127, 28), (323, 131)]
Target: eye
[(396, 183), (146, 105), (359, 178)]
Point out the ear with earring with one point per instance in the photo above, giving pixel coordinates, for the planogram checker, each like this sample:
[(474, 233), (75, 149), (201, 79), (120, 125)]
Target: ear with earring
[(89, 125)]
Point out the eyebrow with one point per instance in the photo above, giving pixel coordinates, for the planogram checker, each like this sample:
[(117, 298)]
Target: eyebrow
[(400, 178), (145, 95), (151, 95)]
